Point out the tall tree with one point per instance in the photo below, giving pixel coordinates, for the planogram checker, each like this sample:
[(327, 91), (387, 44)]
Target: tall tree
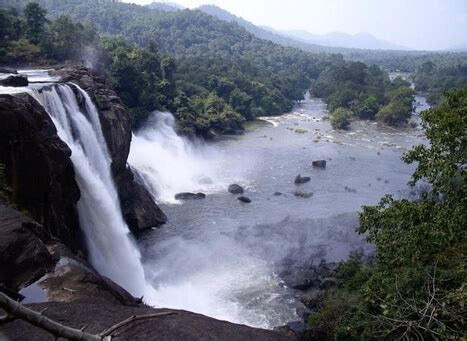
[(35, 21)]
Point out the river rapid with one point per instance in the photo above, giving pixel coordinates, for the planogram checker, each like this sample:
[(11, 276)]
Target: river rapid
[(219, 256)]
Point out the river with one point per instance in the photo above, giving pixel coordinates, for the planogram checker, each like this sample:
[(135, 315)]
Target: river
[(219, 256)]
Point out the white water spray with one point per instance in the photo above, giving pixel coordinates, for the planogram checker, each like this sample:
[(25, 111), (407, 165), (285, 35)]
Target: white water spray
[(111, 249), (171, 164)]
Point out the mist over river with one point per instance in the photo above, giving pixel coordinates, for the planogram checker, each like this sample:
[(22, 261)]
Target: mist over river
[(221, 257)]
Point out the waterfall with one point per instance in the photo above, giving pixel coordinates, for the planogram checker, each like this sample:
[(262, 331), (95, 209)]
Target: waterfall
[(170, 163), (112, 250)]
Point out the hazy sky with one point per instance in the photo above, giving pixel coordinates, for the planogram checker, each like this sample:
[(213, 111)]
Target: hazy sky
[(418, 24)]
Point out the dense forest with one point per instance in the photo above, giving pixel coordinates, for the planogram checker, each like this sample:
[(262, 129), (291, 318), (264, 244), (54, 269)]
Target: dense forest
[(212, 74), (353, 89), (436, 79), (223, 75)]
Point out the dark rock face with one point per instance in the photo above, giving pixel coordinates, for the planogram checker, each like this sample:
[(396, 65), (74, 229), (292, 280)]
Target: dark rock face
[(99, 315), (190, 196), (244, 200), (301, 179), (139, 209), (24, 256), (14, 81), (38, 168), (319, 163), (235, 189)]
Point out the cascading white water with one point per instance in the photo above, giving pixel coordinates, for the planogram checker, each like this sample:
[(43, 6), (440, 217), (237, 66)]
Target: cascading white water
[(171, 164), (111, 249)]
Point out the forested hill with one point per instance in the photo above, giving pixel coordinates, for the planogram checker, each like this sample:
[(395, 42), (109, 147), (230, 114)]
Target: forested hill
[(224, 74), (392, 60), (211, 74)]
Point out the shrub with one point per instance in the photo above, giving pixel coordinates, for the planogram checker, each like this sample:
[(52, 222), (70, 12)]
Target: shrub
[(340, 119)]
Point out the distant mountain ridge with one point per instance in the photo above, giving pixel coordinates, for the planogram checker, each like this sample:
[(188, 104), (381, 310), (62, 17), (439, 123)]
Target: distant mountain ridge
[(266, 34), (339, 39), (331, 43)]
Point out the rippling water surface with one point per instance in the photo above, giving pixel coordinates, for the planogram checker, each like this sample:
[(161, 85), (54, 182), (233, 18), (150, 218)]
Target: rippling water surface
[(219, 256)]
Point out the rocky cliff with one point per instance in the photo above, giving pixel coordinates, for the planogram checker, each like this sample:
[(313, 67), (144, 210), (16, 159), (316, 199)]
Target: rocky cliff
[(38, 169), (138, 207)]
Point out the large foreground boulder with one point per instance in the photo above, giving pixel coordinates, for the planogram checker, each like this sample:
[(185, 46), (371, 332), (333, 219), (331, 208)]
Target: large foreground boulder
[(99, 315), (23, 255), (38, 168)]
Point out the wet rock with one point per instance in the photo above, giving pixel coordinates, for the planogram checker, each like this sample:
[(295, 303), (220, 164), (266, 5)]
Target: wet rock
[(190, 196), (98, 315), (138, 207), (24, 256), (244, 199), (319, 164), (328, 283), (38, 168), (15, 81), (301, 280), (235, 189), (301, 179), (304, 195)]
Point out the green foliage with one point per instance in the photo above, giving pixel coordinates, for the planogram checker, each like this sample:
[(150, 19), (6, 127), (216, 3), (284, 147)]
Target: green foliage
[(35, 22), (253, 76), (416, 289), (436, 79), (340, 119), (32, 38), (393, 114), (368, 108)]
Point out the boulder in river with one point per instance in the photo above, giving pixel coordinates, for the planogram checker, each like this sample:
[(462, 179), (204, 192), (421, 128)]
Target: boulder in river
[(14, 80), (301, 280), (189, 196), (319, 163), (235, 189), (244, 199), (305, 195), (301, 179)]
